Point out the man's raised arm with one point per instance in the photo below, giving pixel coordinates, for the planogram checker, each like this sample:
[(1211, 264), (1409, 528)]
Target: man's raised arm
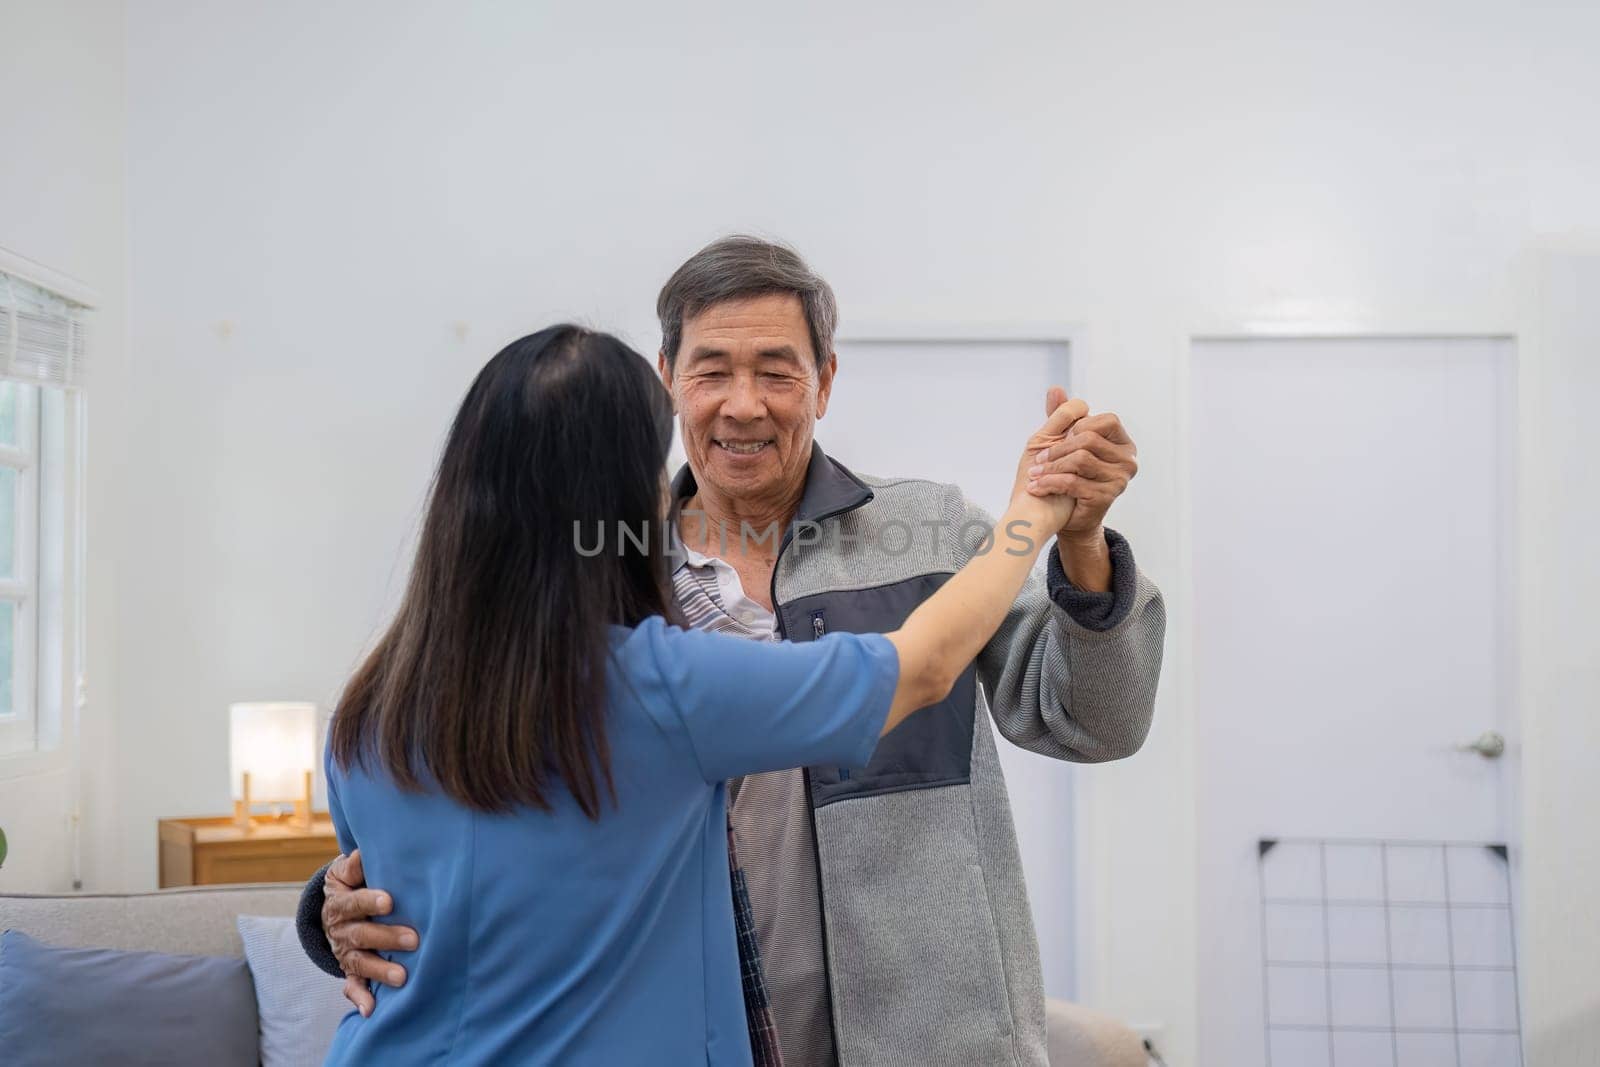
[(1072, 672)]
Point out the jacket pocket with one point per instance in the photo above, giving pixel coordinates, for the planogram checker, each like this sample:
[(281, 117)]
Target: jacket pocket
[(932, 747), (986, 941)]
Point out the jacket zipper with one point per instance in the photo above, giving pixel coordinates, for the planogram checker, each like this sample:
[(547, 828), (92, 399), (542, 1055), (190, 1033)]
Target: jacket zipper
[(822, 920)]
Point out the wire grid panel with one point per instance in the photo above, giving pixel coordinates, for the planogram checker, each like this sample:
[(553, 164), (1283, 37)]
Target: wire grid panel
[(1388, 954)]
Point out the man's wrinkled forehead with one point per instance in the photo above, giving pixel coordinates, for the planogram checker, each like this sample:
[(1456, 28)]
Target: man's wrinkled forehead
[(769, 327)]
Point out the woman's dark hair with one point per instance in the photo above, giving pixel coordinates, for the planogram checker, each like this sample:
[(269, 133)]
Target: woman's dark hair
[(491, 678)]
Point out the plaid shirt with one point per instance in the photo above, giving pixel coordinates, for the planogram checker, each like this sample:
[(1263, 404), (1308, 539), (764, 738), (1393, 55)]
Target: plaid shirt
[(763, 1034)]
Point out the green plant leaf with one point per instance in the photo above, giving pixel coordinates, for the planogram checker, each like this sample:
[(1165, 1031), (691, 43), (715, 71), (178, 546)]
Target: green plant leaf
[(2, 848)]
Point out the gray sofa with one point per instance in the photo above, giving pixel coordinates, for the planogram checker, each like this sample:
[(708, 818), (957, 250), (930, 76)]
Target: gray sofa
[(200, 922)]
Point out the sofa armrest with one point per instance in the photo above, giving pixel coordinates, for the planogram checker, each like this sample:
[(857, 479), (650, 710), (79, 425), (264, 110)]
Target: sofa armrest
[(1082, 1037)]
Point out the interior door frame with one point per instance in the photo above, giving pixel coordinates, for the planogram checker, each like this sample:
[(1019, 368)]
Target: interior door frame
[(1180, 599), (1073, 336)]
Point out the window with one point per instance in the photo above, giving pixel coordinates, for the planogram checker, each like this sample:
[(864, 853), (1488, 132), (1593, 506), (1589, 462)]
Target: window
[(41, 348), (19, 573)]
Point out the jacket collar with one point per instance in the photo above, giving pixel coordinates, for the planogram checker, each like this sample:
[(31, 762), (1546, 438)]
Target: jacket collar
[(830, 488)]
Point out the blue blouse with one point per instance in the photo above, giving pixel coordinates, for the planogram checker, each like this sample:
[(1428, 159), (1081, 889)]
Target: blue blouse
[(547, 938)]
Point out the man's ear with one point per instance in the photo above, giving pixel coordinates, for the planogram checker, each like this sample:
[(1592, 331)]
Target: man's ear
[(825, 375), (665, 370)]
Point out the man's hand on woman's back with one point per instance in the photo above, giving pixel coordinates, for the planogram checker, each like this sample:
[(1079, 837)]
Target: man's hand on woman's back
[(347, 908)]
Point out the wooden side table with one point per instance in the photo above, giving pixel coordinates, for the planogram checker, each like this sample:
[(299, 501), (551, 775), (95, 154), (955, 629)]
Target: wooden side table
[(215, 851)]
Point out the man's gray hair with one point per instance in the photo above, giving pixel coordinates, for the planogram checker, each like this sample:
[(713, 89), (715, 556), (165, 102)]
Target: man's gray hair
[(737, 267)]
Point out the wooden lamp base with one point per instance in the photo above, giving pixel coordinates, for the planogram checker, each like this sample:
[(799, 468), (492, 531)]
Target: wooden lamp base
[(302, 806)]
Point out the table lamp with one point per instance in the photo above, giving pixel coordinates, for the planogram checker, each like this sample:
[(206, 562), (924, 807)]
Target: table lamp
[(272, 750)]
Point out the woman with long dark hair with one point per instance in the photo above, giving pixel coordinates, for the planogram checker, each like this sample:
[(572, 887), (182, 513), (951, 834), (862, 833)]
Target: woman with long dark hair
[(532, 758)]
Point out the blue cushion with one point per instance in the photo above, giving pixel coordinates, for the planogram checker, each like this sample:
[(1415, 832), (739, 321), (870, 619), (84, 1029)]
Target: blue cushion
[(78, 1005)]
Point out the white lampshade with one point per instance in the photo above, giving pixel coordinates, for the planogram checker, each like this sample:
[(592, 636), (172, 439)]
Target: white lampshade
[(276, 744)]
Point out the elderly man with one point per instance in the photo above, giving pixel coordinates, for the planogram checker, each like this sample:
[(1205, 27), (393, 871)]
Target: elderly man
[(882, 909)]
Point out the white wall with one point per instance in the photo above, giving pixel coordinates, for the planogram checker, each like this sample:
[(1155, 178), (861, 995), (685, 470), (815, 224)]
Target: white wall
[(61, 205), (345, 183)]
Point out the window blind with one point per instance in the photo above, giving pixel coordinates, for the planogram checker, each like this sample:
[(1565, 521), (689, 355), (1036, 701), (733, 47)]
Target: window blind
[(43, 336)]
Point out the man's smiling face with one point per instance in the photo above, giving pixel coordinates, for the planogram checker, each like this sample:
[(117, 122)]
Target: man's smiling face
[(749, 393)]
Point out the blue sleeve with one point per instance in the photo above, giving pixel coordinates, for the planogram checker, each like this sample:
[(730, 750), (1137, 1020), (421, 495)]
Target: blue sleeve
[(341, 826), (751, 706)]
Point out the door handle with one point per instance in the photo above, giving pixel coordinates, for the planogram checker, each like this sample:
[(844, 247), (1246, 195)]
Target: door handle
[(1490, 745)]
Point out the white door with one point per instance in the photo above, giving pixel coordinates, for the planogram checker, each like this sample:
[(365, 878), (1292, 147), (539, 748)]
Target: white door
[(960, 411), (1559, 586), (1351, 503)]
